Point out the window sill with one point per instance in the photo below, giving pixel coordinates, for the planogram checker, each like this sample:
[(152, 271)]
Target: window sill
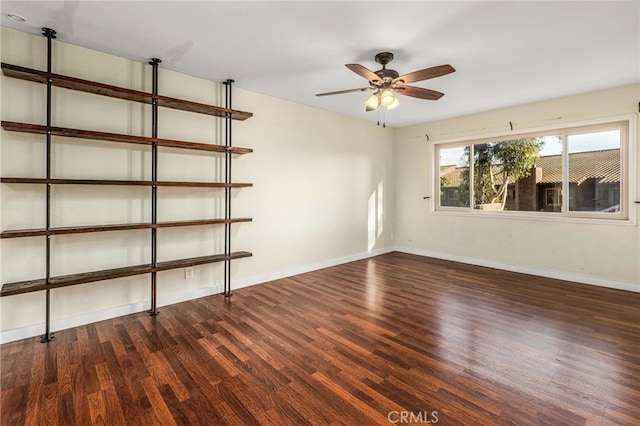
[(535, 216)]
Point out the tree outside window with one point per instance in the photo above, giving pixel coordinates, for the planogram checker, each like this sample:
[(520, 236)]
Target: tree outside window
[(496, 165)]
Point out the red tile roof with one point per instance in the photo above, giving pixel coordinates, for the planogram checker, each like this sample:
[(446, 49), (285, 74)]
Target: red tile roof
[(603, 165)]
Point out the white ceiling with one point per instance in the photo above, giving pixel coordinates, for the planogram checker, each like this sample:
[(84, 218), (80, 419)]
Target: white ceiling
[(505, 53)]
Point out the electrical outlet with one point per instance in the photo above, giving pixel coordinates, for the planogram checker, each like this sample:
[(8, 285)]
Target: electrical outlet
[(188, 273)]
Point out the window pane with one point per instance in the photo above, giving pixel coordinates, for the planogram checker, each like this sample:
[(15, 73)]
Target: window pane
[(454, 181), (548, 170), (594, 171), (506, 177)]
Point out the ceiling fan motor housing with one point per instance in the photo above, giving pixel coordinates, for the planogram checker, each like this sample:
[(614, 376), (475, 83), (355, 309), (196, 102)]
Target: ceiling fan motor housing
[(387, 75)]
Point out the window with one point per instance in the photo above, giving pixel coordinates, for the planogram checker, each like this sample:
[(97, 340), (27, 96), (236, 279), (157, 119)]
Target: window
[(454, 190), (553, 197), (575, 171), (594, 171)]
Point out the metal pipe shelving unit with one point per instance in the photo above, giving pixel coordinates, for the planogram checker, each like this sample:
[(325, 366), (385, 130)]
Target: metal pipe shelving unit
[(156, 101)]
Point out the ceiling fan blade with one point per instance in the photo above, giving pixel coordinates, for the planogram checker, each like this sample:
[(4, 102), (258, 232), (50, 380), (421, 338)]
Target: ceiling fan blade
[(425, 74), (339, 92), (364, 72), (419, 92)]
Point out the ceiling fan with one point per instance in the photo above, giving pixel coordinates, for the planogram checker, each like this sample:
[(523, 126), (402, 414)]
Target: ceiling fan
[(387, 81)]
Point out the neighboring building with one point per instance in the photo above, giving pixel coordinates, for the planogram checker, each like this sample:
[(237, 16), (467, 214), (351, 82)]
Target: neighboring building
[(594, 184)]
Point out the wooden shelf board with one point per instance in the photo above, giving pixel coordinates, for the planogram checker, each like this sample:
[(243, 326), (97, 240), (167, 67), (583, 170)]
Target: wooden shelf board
[(11, 289), (124, 182), (87, 86), (174, 224), (183, 263), (21, 233), (200, 108), (115, 137), (21, 287)]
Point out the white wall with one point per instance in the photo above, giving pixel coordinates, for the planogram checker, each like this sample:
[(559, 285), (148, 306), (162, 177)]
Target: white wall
[(316, 176), (596, 252)]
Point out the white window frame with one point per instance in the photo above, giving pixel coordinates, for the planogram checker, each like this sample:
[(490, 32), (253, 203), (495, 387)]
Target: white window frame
[(628, 170)]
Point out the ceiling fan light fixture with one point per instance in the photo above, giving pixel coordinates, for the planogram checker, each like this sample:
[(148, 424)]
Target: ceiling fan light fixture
[(394, 104), (387, 97), (373, 101)]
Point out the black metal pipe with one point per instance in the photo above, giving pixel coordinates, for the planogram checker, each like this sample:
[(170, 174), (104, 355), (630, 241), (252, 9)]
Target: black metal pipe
[(227, 192), (154, 188), (153, 309), (48, 336), (229, 180), (227, 265)]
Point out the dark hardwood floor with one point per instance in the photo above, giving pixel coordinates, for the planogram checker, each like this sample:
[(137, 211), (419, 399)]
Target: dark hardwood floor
[(389, 340)]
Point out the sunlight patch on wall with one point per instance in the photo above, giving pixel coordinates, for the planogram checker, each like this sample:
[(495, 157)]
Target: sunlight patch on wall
[(372, 222), (380, 208), (376, 216)]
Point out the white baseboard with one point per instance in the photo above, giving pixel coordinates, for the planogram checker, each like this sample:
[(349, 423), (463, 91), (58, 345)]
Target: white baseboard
[(583, 279), (91, 317)]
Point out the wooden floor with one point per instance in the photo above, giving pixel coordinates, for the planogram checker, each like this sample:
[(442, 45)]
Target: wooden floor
[(395, 339)]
